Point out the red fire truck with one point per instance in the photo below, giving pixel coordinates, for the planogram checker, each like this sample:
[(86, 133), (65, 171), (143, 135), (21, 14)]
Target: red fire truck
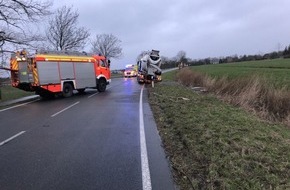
[(49, 73)]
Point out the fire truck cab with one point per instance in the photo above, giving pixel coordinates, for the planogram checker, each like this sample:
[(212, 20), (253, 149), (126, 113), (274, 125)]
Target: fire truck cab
[(49, 73)]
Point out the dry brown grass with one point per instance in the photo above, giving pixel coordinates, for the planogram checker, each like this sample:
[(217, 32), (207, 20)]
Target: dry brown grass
[(189, 78), (214, 145), (252, 93)]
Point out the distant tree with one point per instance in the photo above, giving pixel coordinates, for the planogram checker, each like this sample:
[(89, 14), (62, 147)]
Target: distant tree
[(167, 63), (181, 56), (266, 56), (286, 51), (207, 61), (4, 64), (63, 32), (274, 55), (243, 58), (107, 45), (163, 58), (15, 17), (258, 57)]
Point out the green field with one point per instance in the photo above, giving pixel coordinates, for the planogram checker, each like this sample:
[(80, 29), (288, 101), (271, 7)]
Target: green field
[(276, 71)]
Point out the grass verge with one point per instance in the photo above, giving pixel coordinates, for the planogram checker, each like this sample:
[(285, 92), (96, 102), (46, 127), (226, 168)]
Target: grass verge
[(214, 145), (11, 93)]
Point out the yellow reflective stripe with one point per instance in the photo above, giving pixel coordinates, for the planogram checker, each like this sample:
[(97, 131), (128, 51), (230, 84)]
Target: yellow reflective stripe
[(66, 58), (14, 64), (35, 76)]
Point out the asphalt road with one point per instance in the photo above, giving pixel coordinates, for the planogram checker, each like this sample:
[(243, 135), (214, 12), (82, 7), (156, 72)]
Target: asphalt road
[(89, 141)]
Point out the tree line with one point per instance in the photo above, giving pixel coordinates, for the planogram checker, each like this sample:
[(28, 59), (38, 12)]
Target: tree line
[(181, 58), (20, 18)]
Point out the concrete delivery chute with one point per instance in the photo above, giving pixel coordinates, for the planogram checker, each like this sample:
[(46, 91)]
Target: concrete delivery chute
[(56, 72)]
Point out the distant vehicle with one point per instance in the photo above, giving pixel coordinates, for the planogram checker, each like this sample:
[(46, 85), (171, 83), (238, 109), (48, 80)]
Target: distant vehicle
[(149, 70), (48, 73), (130, 71)]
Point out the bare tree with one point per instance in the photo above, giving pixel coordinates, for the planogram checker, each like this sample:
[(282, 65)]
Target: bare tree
[(63, 32), (15, 16), (107, 45), (181, 56)]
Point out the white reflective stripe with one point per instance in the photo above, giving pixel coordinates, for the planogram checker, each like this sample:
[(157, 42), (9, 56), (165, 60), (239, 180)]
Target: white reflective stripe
[(101, 75), (11, 138), (64, 109), (146, 179)]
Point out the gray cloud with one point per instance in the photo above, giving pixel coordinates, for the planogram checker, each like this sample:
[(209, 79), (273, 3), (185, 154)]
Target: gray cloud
[(202, 28)]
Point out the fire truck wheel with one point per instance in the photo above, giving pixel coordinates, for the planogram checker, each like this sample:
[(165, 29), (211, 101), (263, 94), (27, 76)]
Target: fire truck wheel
[(67, 90), (101, 85)]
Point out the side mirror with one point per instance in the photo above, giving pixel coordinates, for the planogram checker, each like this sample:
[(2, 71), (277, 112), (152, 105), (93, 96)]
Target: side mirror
[(109, 63)]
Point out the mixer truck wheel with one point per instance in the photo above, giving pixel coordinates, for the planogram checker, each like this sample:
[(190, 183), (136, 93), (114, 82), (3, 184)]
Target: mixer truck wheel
[(67, 90)]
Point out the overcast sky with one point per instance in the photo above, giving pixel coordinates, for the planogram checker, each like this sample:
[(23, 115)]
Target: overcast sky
[(201, 28)]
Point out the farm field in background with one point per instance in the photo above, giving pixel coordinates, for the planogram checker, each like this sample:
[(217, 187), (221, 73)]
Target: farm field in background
[(275, 71)]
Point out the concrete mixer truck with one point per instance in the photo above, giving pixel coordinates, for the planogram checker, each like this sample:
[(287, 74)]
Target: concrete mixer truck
[(149, 68)]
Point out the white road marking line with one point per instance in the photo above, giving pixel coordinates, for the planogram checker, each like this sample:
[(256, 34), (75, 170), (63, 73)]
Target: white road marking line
[(97, 93), (17, 105), (146, 180), (11, 138), (93, 94), (64, 109)]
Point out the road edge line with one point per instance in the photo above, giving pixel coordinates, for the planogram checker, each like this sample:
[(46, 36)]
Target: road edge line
[(146, 179)]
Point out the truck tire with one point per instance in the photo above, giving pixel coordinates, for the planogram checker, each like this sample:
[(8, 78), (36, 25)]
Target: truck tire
[(102, 84), (139, 80), (67, 90)]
